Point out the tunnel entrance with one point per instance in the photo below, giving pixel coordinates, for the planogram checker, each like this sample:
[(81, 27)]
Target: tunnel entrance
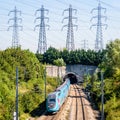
[(72, 76)]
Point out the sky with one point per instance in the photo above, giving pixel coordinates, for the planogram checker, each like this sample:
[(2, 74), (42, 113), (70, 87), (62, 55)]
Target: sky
[(55, 36)]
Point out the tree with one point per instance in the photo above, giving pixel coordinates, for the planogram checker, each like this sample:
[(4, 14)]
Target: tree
[(40, 57), (59, 62), (65, 55), (89, 57), (111, 66), (112, 59), (50, 55)]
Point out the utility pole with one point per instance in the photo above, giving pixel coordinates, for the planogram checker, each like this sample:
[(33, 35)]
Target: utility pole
[(102, 96), (45, 81), (58, 74), (70, 36), (15, 26), (42, 42), (99, 24), (85, 44), (16, 93)]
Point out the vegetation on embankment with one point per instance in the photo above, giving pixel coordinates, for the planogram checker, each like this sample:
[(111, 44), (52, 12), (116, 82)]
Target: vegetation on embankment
[(31, 83), (31, 78), (111, 68)]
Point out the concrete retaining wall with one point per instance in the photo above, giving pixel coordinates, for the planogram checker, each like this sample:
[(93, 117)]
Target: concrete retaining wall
[(55, 71), (79, 70)]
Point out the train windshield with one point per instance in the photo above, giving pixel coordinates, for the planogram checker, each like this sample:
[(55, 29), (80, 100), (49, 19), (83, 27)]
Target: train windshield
[(52, 100)]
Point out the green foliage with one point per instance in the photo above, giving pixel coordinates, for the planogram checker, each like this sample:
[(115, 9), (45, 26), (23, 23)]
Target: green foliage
[(59, 62), (83, 57), (31, 83), (52, 82), (40, 57), (112, 108), (29, 68), (50, 55), (65, 55), (111, 67), (111, 62), (30, 101)]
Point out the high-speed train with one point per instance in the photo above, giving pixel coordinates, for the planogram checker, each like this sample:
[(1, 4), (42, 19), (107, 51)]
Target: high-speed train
[(57, 98)]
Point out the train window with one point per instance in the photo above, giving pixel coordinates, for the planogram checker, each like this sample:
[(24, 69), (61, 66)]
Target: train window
[(52, 100)]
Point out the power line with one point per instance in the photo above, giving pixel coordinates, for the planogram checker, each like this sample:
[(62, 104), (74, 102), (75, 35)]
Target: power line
[(26, 4), (110, 6), (15, 26), (42, 43), (84, 2), (85, 44), (99, 24), (62, 2), (70, 37)]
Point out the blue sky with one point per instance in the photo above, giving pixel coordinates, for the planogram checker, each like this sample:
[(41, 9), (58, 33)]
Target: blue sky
[(55, 37)]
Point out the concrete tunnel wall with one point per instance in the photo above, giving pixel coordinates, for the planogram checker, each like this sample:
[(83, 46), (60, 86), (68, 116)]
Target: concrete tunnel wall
[(72, 76)]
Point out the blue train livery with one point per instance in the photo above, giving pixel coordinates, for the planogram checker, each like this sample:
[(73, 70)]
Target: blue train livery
[(57, 98)]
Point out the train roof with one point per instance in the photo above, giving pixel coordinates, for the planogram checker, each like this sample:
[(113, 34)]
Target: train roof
[(58, 89), (52, 93)]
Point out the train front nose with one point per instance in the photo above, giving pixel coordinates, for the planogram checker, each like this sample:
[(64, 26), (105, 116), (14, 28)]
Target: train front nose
[(51, 103)]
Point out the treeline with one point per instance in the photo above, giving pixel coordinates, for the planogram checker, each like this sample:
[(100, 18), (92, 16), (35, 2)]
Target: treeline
[(31, 78), (110, 66), (31, 83), (89, 57)]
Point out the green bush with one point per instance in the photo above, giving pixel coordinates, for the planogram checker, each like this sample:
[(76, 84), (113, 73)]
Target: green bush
[(30, 83), (112, 109)]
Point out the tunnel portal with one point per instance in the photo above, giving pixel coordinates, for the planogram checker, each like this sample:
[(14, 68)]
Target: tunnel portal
[(72, 76)]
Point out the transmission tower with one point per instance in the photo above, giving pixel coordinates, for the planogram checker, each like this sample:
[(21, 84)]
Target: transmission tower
[(99, 24), (15, 26), (70, 36), (85, 44), (42, 43)]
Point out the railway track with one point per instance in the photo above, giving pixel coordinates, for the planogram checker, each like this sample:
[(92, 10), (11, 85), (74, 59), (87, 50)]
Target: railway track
[(76, 107), (84, 111), (80, 107), (60, 115), (77, 111)]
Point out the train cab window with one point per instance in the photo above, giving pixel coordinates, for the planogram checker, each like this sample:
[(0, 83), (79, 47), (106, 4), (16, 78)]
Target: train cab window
[(51, 100)]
